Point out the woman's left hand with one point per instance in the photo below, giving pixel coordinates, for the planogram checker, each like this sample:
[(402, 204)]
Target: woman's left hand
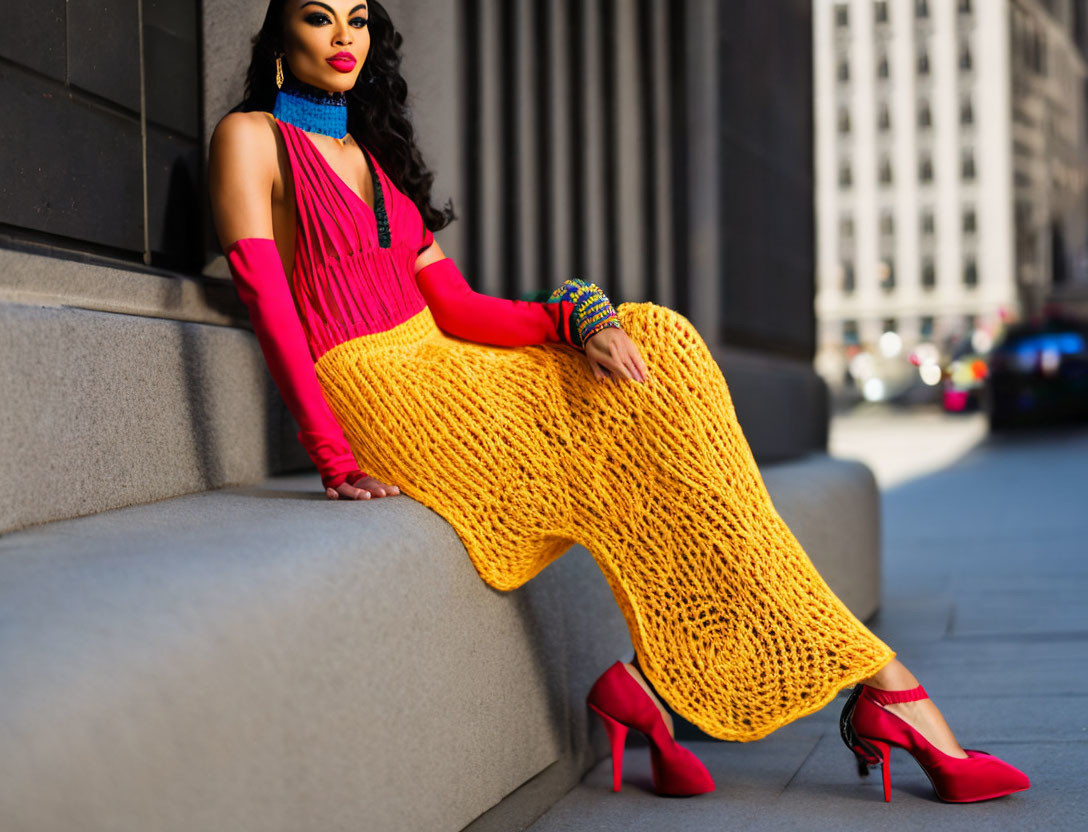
[(612, 354)]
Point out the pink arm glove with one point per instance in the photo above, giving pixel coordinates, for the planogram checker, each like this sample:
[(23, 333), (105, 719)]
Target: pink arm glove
[(465, 313), (262, 285)]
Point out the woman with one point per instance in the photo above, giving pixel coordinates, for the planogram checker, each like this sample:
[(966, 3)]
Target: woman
[(531, 425)]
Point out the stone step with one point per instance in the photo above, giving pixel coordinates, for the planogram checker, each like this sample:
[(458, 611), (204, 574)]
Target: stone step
[(263, 658)]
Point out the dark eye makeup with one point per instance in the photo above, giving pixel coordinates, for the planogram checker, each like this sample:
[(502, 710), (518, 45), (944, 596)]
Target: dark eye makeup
[(318, 18)]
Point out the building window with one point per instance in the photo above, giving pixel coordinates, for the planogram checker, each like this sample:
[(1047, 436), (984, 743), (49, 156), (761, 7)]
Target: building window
[(967, 167), (929, 273), (883, 69), (842, 15), (925, 327), (923, 61), (967, 111), (844, 69), (887, 224), (884, 118), (1033, 49), (928, 224), (966, 61), (886, 272), (925, 116), (844, 120), (846, 227), (970, 321), (887, 325), (970, 272), (969, 221), (885, 171), (848, 284), (925, 168), (850, 332), (965, 6), (846, 175), (880, 11), (921, 8)]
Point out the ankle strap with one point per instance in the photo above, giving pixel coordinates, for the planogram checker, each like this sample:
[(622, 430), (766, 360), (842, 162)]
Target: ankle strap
[(890, 697)]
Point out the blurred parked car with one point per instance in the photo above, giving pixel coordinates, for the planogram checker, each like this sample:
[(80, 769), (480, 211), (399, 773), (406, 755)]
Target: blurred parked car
[(1038, 372), (882, 372), (964, 376)]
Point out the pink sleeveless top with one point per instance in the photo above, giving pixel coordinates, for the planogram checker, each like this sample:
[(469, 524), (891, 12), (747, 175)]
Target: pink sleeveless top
[(350, 277)]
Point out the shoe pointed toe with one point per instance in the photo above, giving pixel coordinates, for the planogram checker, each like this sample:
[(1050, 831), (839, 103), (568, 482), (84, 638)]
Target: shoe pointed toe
[(1009, 778), (683, 775), (979, 776)]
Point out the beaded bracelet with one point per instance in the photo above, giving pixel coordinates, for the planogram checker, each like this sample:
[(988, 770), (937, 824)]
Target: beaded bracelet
[(592, 309)]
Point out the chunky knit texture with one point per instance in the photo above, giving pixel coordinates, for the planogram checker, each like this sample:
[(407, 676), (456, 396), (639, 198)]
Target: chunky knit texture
[(525, 453)]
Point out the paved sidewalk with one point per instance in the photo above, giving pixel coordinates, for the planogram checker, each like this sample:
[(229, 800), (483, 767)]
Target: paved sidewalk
[(986, 600)]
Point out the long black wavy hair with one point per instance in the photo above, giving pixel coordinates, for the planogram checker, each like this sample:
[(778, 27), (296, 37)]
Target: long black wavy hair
[(378, 117)]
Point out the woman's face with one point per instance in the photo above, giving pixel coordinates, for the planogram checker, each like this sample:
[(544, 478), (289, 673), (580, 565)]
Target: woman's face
[(319, 31)]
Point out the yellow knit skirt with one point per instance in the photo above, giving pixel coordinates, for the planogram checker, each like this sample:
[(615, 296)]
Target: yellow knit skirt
[(525, 453)]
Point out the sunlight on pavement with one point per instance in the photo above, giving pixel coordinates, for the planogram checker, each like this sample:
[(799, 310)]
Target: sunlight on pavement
[(900, 446)]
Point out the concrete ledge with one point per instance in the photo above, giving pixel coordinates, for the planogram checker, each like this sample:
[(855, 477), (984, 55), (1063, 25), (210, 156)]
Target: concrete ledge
[(262, 659), (123, 387), (782, 403), (109, 410), (39, 275)]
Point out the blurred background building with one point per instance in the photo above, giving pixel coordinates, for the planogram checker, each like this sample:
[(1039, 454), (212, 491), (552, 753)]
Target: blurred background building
[(951, 151)]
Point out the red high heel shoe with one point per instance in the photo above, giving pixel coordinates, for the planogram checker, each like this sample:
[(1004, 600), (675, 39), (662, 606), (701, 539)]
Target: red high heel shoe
[(869, 730), (621, 703)]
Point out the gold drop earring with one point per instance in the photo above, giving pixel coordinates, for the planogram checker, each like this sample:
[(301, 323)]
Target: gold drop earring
[(279, 72)]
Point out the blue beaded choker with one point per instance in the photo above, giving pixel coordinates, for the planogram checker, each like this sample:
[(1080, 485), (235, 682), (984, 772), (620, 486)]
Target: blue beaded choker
[(312, 109)]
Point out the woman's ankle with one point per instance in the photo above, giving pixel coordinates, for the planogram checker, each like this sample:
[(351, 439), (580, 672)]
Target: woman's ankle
[(922, 715), (926, 718), (637, 675), (892, 676)]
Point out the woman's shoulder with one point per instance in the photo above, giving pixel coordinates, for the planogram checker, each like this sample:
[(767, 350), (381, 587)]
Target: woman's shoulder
[(247, 137), (245, 132), (246, 142)]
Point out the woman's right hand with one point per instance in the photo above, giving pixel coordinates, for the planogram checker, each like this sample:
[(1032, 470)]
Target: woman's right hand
[(363, 489), (612, 354)]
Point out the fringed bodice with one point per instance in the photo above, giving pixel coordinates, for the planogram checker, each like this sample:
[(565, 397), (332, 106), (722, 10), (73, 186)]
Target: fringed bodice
[(354, 267)]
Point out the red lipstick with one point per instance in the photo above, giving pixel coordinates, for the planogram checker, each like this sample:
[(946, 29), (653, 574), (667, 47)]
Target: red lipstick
[(342, 62)]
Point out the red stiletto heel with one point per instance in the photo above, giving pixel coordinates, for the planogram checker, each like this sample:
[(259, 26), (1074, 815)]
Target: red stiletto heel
[(869, 730), (617, 735), (621, 703), (885, 752)]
